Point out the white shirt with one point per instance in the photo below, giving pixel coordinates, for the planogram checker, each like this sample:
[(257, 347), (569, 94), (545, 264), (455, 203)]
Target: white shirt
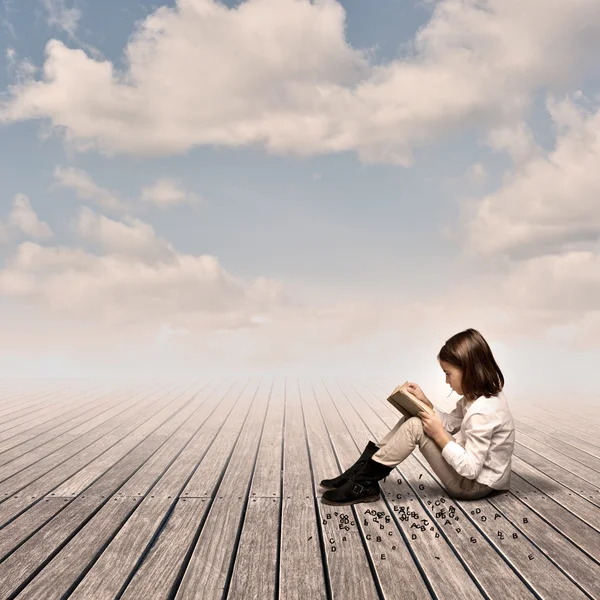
[(484, 444)]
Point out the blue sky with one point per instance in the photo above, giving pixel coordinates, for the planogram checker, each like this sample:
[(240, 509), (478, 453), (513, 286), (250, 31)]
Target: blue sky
[(371, 173), (323, 197)]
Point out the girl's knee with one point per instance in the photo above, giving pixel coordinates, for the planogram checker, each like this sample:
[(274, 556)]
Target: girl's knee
[(415, 422)]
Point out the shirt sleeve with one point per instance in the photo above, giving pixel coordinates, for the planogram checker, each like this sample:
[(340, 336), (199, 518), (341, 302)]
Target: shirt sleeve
[(451, 420), (469, 460)]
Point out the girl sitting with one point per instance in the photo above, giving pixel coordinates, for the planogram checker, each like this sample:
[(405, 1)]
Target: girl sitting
[(470, 465)]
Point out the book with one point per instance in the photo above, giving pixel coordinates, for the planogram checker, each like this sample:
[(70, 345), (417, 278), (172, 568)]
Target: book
[(402, 397)]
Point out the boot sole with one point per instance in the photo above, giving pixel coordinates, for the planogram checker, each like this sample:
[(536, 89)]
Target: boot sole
[(357, 501)]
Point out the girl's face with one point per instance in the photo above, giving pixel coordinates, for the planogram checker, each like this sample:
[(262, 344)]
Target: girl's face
[(453, 376)]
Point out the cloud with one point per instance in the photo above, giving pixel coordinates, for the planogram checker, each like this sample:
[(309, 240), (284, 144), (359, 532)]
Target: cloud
[(549, 204), (23, 219), (288, 80), (59, 15), (7, 6), (167, 193), (86, 189), (20, 69), (138, 278), (567, 285), (535, 242), (516, 139), (130, 238)]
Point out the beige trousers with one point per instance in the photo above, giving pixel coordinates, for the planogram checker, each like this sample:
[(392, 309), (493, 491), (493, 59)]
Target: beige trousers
[(399, 443)]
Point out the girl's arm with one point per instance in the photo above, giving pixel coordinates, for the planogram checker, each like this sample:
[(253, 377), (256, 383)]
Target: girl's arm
[(452, 420), (478, 430)]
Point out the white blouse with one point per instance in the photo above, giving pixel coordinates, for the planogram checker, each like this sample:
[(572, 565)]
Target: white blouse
[(485, 440)]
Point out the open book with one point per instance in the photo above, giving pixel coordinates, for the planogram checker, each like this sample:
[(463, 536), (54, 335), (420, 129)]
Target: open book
[(402, 397)]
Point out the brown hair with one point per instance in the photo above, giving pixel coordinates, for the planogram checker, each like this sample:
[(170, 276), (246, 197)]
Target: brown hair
[(469, 351)]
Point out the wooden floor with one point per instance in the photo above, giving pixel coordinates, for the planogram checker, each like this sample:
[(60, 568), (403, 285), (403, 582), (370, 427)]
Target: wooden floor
[(211, 491)]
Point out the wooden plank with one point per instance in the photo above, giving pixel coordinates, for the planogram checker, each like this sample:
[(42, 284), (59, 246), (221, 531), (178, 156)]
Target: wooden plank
[(433, 522), (562, 475), (30, 434), (551, 436), (76, 553), (28, 401), (211, 560), (17, 570), (9, 399), (562, 518), (574, 432), (587, 473), (33, 483), (218, 461), (527, 435), (297, 478), (323, 457), (15, 477), (301, 572), (572, 427), (266, 480), (43, 549), (559, 492), (156, 574), (192, 434), (571, 544), (301, 569), (48, 439), (20, 420), (17, 531), (541, 569), (85, 476), (136, 473), (577, 422), (254, 574), (190, 460), (349, 566)]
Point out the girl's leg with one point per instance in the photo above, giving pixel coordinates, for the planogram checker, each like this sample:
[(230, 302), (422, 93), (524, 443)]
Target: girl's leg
[(406, 438), (390, 434)]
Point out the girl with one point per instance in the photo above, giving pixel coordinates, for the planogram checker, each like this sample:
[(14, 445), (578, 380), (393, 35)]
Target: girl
[(470, 465)]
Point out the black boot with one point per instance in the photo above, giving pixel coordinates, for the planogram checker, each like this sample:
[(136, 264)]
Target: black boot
[(340, 480), (363, 487)]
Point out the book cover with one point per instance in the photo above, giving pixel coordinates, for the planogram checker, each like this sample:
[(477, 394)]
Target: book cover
[(402, 397)]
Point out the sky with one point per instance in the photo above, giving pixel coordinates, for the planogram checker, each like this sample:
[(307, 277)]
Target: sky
[(293, 187)]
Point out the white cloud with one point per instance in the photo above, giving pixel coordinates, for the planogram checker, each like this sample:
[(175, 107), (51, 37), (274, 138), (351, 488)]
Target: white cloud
[(61, 16), (536, 240), (130, 238), (549, 205), (167, 193), (567, 285), (139, 278), (8, 8), (288, 80), (516, 139), (23, 219), (86, 189), (20, 69)]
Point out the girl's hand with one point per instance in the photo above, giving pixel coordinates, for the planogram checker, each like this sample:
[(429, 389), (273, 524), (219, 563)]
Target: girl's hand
[(416, 391), (432, 424)]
